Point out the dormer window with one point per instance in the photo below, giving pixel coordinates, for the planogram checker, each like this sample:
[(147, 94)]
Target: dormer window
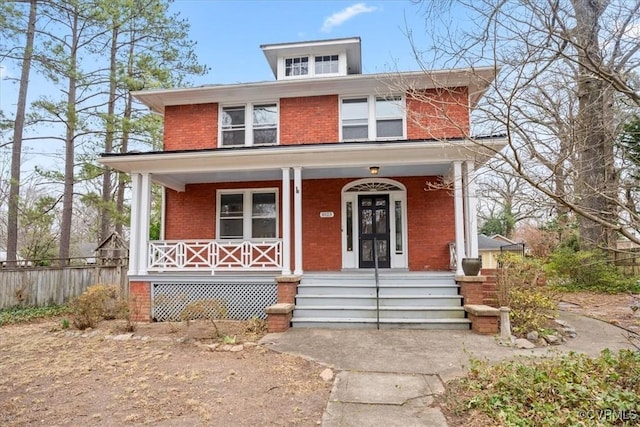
[(296, 66), (321, 58), (327, 64), (312, 66)]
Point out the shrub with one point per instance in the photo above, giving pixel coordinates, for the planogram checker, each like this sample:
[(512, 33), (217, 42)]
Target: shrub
[(588, 271), (568, 390), (97, 303), (211, 309), (522, 288)]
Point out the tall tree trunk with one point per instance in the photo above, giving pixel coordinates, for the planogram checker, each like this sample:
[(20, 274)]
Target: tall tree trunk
[(596, 182), (105, 211), (67, 197), (16, 150), (126, 129)]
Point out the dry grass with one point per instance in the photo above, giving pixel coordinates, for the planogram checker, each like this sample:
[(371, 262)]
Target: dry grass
[(62, 378)]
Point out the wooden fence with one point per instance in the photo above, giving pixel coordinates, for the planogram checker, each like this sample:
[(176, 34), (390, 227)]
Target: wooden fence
[(41, 286), (628, 261)]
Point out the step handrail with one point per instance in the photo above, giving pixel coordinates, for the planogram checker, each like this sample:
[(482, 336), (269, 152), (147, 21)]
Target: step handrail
[(375, 273)]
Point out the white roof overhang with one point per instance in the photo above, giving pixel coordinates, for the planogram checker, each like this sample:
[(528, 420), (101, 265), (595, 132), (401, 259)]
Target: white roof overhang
[(338, 160), (350, 45), (476, 79)]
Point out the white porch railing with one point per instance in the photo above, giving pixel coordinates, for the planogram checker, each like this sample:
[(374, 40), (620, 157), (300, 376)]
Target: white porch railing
[(194, 255)]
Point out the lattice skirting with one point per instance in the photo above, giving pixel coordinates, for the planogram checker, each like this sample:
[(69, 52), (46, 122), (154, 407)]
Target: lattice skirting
[(241, 301)]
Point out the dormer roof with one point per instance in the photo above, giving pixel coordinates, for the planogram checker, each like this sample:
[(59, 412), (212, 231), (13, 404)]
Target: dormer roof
[(350, 45)]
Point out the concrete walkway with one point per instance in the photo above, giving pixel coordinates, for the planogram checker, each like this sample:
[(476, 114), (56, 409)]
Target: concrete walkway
[(389, 377)]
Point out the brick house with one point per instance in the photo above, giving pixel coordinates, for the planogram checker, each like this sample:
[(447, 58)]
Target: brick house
[(314, 176)]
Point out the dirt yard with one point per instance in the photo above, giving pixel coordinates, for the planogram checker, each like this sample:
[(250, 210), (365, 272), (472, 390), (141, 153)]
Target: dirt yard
[(164, 375), (614, 309)]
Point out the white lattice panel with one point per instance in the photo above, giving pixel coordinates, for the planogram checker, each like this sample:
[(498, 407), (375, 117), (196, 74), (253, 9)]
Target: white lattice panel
[(242, 300)]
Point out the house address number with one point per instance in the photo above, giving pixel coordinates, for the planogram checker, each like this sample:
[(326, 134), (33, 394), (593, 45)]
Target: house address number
[(326, 214)]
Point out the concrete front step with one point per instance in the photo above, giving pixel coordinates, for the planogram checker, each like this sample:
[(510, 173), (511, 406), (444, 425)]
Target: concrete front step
[(362, 300), (405, 299), (367, 277), (370, 290), (457, 324), (369, 312)]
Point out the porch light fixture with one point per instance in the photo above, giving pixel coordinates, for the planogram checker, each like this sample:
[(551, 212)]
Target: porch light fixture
[(373, 170)]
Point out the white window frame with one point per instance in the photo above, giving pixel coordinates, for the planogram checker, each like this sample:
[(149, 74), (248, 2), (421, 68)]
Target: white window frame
[(372, 119), (311, 72), (248, 123), (247, 213), (310, 64)]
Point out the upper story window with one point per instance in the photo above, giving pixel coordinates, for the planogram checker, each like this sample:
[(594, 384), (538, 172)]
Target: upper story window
[(249, 124), (327, 64), (372, 117), (309, 66), (296, 66)]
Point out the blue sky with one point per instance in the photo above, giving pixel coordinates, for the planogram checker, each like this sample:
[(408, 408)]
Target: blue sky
[(229, 33)]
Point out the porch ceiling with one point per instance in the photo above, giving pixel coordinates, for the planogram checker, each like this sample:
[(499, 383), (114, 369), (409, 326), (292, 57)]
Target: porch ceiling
[(341, 160)]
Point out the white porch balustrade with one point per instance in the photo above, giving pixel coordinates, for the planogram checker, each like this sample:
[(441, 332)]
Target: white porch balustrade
[(211, 255)]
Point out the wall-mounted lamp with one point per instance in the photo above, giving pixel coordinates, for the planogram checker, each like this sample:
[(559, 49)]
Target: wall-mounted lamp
[(373, 170)]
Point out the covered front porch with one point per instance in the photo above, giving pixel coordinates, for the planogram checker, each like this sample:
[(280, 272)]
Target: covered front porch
[(316, 192), (288, 210)]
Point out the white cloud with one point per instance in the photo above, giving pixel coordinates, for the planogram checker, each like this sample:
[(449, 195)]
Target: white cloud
[(344, 15)]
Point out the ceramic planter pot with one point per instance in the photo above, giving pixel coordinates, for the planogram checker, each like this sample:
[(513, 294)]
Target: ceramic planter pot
[(471, 266)]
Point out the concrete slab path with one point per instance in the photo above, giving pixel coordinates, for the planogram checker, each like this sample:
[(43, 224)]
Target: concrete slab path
[(389, 377)]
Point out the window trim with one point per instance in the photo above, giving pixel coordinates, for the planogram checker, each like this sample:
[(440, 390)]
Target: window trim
[(247, 213), (311, 72), (300, 57), (372, 118), (248, 123)]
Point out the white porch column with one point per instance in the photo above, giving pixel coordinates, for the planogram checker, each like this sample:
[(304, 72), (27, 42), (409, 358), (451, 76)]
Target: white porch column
[(471, 210), (459, 215), (134, 225), (143, 226), (163, 211), (286, 221), (297, 218)]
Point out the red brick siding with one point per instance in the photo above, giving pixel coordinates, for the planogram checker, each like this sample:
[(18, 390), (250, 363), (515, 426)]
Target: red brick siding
[(435, 113), (431, 225), (312, 119), (192, 213), (322, 237), (191, 127), (140, 301), (438, 113)]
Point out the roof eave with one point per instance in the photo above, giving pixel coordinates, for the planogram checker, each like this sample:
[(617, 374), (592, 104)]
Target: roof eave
[(476, 79)]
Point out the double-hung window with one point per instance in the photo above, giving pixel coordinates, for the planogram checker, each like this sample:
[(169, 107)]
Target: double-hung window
[(355, 119), (247, 214), (249, 124), (372, 117), (389, 117)]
